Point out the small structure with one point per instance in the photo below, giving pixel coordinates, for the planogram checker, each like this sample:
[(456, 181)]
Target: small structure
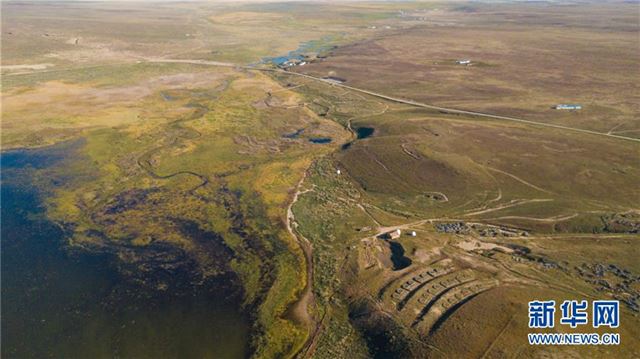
[(338, 172), (394, 234), (290, 63), (390, 235), (564, 106), (413, 233), (334, 79), (463, 62)]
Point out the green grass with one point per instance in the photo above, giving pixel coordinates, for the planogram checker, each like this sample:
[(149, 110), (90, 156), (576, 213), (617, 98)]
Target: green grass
[(238, 145), (244, 201)]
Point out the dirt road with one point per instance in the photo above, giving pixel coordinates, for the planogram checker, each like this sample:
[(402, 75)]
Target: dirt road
[(299, 309), (609, 134), (397, 99)]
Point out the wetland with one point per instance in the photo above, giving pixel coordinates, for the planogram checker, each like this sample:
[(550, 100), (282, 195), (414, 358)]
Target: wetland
[(170, 190), (65, 301)]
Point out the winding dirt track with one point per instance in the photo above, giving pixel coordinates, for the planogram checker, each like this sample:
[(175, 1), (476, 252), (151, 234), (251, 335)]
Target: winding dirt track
[(300, 307), (609, 134), (306, 298)]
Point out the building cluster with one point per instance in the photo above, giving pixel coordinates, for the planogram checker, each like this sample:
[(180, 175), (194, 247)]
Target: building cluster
[(292, 63), (454, 227)]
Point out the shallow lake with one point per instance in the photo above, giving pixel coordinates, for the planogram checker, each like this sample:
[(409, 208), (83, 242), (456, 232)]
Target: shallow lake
[(64, 303)]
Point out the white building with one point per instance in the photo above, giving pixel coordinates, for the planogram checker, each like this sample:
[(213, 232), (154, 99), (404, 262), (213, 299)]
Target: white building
[(563, 106)]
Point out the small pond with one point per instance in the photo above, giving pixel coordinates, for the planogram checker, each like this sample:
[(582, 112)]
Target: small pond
[(307, 47), (320, 140), (167, 97), (397, 256), (364, 132)]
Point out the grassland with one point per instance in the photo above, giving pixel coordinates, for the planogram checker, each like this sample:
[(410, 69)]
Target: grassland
[(507, 182), (199, 155), (525, 59), (202, 161)]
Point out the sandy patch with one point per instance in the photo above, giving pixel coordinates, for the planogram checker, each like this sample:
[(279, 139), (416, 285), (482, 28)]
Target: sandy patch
[(25, 67), (473, 244)]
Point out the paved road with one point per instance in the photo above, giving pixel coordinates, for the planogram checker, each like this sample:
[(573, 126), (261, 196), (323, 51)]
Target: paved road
[(399, 100)]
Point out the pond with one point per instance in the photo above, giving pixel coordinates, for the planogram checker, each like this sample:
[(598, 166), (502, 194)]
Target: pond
[(167, 97), (279, 60), (71, 303), (320, 140), (397, 256), (307, 47), (361, 133), (364, 132)]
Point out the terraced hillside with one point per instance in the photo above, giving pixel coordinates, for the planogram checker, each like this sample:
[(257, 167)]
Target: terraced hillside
[(494, 222)]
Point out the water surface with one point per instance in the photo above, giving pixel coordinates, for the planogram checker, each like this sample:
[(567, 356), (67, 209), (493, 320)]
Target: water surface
[(364, 132), (397, 256), (306, 47), (320, 140), (69, 303)]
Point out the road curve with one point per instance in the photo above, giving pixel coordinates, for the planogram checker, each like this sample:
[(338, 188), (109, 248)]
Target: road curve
[(453, 110), (396, 99)]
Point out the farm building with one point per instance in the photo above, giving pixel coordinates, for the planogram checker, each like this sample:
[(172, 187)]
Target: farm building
[(394, 234), (291, 63), (334, 80), (567, 107)]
